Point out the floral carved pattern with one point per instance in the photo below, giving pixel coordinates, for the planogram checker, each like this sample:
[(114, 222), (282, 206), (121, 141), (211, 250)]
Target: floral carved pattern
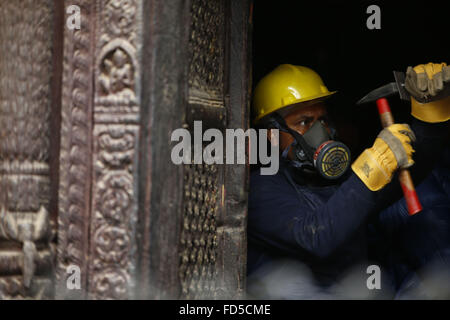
[(115, 197), (121, 15), (113, 244), (99, 137), (116, 147), (115, 139), (114, 210), (110, 284)]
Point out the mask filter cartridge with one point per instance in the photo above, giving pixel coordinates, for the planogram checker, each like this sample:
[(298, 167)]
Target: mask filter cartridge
[(331, 158)]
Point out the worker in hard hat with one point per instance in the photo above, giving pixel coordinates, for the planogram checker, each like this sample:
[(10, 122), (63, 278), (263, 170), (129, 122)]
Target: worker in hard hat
[(314, 210)]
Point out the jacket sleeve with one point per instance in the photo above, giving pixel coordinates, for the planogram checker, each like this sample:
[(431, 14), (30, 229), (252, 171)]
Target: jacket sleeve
[(433, 191), (281, 220), (431, 149), (430, 146)]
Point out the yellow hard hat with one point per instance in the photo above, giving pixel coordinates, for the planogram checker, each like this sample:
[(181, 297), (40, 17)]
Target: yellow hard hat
[(286, 85)]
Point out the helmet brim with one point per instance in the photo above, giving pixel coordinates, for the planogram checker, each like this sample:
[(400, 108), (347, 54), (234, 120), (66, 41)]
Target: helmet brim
[(307, 101)]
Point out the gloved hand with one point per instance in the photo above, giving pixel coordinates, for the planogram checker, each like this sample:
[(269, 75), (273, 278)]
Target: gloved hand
[(392, 150), (429, 86)]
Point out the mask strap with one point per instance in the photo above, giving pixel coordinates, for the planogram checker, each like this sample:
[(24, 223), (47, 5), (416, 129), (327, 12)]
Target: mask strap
[(285, 152), (294, 163), (278, 122), (333, 133)]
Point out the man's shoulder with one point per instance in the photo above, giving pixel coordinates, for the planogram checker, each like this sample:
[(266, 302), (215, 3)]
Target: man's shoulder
[(269, 186), (258, 179)]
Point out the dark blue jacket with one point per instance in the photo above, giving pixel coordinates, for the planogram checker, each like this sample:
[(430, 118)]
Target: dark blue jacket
[(407, 245), (324, 227)]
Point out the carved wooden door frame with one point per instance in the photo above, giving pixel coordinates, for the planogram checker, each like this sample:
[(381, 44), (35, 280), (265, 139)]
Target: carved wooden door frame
[(114, 205)]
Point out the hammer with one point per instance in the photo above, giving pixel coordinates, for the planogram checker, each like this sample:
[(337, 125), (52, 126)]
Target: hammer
[(379, 95)]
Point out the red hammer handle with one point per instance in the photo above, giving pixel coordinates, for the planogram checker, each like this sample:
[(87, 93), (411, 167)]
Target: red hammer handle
[(412, 201)]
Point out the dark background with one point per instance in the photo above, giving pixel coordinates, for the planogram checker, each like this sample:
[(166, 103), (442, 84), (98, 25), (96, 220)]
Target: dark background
[(332, 38)]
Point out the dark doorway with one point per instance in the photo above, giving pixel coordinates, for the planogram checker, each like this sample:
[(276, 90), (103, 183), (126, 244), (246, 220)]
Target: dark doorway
[(332, 38)]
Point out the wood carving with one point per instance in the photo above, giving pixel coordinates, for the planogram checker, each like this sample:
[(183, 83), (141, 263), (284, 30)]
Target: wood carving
[(26, 254), (207, 52), (120, 209), (199, 247), (75, 163), (113, 255), (99, 137)]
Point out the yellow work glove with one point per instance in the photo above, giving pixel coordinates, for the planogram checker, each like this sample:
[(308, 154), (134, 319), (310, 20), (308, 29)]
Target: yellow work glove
[(429, 86), (392, 150)]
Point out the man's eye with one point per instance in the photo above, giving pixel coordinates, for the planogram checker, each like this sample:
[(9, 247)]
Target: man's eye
[(302, 123)]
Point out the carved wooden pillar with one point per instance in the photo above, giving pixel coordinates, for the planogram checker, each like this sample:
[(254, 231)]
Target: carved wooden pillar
[(137, 225), (26, 46), (213, 237), (75, 150), (204, 189), (100, 135), (232, 232), (194, 216), (115, 136)]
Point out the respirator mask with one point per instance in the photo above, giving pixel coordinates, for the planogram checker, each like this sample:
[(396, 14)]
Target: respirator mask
[(316, 150)]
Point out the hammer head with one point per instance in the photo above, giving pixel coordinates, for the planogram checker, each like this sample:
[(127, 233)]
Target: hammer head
[(388, 90)]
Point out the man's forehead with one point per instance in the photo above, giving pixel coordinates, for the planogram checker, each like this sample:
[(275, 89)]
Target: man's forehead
[(317, 108)]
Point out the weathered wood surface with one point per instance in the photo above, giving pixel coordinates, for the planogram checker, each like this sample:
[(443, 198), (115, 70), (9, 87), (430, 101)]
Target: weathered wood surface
[(233, 223), (99, 144), (135, 224), (75, 151), (26, 69), (160, 183), (194, 216)]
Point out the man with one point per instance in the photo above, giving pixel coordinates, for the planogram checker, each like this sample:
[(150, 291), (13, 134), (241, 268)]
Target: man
[(307, 223)]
